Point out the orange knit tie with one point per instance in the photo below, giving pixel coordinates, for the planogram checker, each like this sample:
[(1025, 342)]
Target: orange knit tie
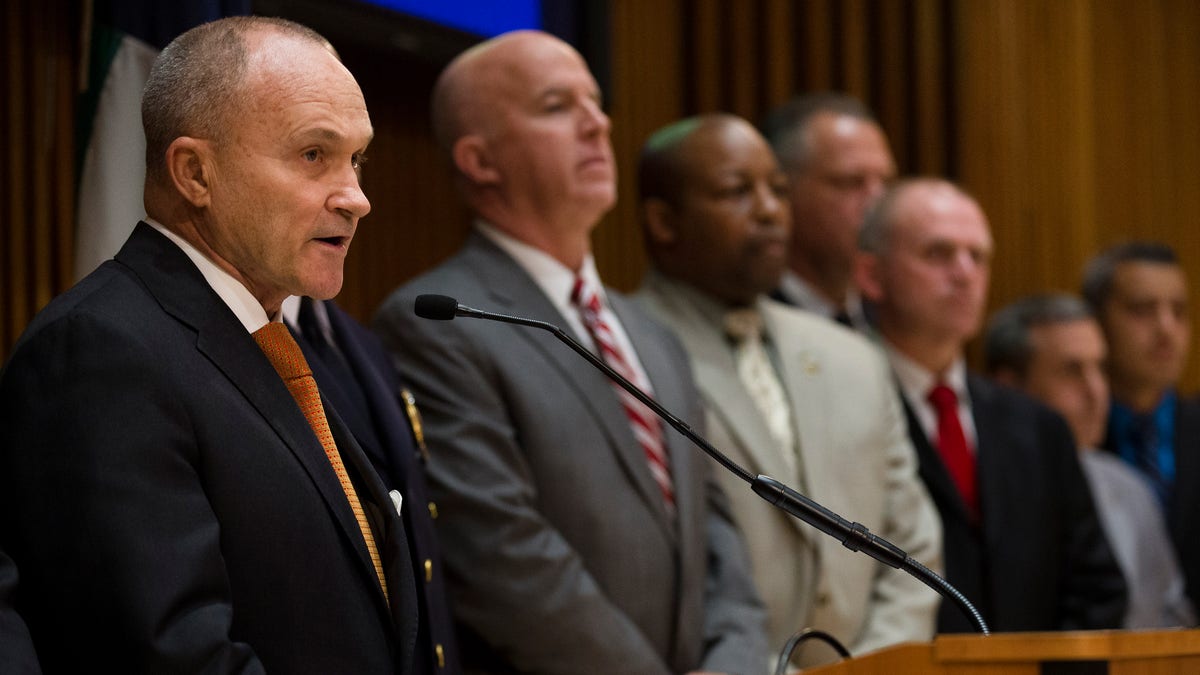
[(281, 349)]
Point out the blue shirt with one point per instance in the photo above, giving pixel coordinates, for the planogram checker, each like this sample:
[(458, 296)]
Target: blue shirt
[(1147, 441)]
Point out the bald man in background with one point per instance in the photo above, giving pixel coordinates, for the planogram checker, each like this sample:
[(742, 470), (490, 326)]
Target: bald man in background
[(1021, 535), (580, 535)]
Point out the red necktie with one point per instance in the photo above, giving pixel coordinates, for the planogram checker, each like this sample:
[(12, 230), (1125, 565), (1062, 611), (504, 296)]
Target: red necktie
[(646, 427), (952, 446)]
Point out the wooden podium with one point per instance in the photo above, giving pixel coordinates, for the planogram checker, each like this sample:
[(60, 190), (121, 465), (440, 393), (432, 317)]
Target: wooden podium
[(1168, 652)]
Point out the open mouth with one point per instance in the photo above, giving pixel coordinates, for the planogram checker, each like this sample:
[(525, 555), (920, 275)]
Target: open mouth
[(334, 241)]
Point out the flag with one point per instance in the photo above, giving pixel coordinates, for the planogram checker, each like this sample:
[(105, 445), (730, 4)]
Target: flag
[(125, 37)]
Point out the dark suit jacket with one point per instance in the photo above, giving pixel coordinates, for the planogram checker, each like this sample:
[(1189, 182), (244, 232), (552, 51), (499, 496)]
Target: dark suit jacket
[(169, 506), (366, 398), (16, 649), (1038, 561), (559, 552), (1183, 512)]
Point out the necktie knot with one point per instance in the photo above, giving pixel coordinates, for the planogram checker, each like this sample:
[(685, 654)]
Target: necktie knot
[(281, 349), (943, 399), (585, 297), (744, 325)]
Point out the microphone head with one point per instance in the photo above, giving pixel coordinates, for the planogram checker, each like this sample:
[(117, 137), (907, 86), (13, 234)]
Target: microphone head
[(436, 307)]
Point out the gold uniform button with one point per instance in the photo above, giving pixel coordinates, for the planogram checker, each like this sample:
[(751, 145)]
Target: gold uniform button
[(433, 510), (441, 655), (428, 570)]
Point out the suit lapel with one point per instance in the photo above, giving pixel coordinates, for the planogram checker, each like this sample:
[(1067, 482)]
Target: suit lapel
[(512, 289), (172, 278), (932, 470), (804, 378)]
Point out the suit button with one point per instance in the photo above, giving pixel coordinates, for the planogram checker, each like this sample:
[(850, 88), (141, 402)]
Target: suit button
[(428, 570), (433, 510), (441, 655)]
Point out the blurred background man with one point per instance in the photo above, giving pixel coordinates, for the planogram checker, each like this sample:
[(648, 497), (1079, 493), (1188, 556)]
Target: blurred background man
[(579, 535), (1051, 347), (1138, 292), (788, 394), (837, 160), (1001, 467)]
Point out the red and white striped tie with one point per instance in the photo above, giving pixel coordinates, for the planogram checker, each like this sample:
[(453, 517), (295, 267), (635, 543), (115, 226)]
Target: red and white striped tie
[(647, 428)]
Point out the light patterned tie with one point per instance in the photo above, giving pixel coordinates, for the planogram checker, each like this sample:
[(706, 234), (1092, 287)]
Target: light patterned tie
[(646, 427), (761, 381), (281, 349)]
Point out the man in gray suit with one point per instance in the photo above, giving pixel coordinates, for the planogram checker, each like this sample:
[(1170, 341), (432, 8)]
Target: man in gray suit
[(580, 535), (799, 398)]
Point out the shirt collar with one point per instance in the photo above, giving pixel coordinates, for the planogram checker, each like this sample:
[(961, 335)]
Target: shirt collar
[(916, 380), (554, 278), (237, 297)]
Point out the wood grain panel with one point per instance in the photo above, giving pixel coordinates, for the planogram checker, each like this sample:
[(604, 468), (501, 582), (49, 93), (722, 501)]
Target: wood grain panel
[(1074, 122)]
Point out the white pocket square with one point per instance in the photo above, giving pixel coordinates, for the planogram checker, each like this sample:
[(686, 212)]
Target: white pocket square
[(397, 499)]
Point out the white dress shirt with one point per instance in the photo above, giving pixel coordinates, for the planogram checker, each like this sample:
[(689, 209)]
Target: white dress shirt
[(240, 300), (557, 281), (915, 384)]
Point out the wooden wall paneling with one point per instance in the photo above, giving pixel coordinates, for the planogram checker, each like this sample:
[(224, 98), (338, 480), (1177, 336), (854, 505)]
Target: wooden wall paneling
[(745, 53), (650, 81), (16, 311), (853, 43), (779, 51), (1146, 110), (930, 91), (992, 115), (37, 197), (892, 84), (706, 70), (816, 45)]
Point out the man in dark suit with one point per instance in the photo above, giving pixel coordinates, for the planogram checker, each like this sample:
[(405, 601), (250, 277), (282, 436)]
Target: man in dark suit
[(580, 536), (837, 161), (173, 503), (16, 650), (358, 379), (1139, 294), (1021, 534)]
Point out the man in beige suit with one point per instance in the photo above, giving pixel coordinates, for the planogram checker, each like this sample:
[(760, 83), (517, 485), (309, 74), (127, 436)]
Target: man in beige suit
[(807, 401)]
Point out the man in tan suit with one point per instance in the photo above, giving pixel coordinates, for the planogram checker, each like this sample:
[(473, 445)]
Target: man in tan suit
[(806, 401)]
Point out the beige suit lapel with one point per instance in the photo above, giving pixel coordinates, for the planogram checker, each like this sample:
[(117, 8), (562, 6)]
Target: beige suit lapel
[(807, 385)]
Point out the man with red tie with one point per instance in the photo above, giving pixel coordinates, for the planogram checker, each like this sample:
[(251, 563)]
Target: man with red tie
[(1022, 539)]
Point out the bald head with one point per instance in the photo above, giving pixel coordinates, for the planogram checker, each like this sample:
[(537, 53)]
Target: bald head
[(927, 251), (485, 73), (198, 81), (713, 205), (521, 118)]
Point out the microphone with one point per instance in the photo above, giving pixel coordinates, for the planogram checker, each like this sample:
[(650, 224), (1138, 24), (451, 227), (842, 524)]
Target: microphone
[(854, 536)]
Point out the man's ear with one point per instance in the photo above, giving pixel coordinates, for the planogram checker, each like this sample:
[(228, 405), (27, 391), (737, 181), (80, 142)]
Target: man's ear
[(189, 167), (659, 217), (867, 276), (473, 160)]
